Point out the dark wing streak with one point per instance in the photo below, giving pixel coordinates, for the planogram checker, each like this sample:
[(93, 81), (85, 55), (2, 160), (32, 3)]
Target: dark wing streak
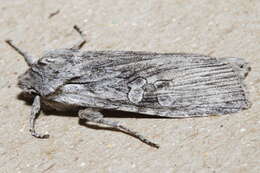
[(145, 53), (158, 71), (193, 100), (192, 97), (191, 74), (180, 94), (200, 81), (209, 86), (117, 63), (136, 73)]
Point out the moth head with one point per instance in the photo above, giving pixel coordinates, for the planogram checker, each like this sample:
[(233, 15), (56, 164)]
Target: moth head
[(42, 77), (26, 81), (29, 82)]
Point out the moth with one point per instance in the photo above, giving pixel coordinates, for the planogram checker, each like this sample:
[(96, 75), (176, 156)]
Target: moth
[(174, 85)]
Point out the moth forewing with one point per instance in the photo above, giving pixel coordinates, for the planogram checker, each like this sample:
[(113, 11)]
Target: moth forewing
[(172, 85)]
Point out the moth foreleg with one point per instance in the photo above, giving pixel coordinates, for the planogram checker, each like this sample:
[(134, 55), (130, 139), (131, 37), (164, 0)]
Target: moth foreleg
[(82, 41), (36, 108), (93, 115)]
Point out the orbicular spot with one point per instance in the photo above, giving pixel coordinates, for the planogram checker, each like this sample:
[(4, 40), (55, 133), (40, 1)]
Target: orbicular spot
[(136, 92), (135, 95)]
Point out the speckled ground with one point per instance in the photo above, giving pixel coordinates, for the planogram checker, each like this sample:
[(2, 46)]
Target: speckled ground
[(214, 144)]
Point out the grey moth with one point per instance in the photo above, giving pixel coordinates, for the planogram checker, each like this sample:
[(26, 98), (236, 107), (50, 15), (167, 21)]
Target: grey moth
[(174, 85)]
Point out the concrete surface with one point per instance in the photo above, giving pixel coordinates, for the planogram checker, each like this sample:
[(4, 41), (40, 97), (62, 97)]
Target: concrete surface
[(214, 144)]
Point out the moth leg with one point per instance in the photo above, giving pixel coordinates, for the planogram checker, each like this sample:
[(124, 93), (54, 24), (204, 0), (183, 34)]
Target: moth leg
[(82, 41), (36, 108), (29, 59), (93, 115)]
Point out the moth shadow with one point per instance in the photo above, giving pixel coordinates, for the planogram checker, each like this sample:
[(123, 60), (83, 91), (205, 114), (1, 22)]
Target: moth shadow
[(124, 114), (27, 98)]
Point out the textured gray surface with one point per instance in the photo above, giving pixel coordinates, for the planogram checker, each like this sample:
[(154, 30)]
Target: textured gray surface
[(222, 144)]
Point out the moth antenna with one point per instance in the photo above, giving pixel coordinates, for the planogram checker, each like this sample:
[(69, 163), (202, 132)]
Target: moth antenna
[(82, 35), (28, 59)]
